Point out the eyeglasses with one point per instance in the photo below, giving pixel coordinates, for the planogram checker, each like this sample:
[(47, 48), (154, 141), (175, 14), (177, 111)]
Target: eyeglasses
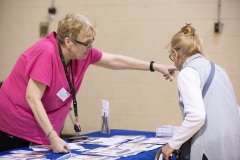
[(87, 44), (171, 54)]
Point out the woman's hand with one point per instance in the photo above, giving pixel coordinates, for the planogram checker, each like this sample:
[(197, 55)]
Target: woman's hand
[(58, 145), (167, 71), (167, 151)]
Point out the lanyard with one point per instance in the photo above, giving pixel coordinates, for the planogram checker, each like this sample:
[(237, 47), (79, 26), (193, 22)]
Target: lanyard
[(77, 126)]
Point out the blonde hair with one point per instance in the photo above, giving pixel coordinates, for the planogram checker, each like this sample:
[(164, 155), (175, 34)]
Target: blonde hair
[(187, 42), (73, 25)]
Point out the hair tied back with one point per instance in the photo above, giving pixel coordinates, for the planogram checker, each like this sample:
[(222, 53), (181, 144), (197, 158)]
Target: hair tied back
[(188, 29)]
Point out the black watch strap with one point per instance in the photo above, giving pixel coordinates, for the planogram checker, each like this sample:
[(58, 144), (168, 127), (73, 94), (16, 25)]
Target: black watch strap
[(151, 66)]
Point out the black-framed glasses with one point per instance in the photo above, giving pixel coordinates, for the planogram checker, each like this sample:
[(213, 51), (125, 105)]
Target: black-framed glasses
[(171, 56), (171, 53), (85, 44)]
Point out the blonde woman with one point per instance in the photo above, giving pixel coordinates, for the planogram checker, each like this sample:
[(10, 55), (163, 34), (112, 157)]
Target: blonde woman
[(211, 126)]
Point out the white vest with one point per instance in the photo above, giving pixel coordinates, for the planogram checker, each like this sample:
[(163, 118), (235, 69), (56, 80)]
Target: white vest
[(219, 137)]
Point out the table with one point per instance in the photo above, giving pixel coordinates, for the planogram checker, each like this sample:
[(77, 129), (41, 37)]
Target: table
[(141, 156)]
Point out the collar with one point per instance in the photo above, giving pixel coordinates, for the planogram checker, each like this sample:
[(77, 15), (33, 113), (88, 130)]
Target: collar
[(189, 59)]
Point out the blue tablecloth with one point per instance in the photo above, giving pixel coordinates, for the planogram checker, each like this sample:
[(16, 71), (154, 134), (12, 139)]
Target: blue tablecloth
[(141, 156)]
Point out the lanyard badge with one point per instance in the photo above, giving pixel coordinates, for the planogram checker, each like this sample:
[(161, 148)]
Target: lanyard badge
[(77, 126)]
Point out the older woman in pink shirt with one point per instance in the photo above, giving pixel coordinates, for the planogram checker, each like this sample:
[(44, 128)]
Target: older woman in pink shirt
[(36, 97)]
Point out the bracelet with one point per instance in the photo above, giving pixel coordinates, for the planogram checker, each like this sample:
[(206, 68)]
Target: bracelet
[(49, 133), (151, 66)]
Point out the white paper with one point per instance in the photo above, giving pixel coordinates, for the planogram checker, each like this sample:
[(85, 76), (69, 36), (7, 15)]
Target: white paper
[(37, 147), (107, 141), (128, 137), (105, 108), (66, 156), (90, 157), (75, 146), (24, 155), (156, 140), (108, 151), (63, 94)]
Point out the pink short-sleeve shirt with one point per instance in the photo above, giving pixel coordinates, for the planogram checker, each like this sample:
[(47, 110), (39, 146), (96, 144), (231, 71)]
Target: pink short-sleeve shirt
[(42, 63)]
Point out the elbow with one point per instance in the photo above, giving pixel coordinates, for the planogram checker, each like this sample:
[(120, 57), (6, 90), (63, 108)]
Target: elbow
[(201, 119), (28, 96), (198, 118), (31, 99)]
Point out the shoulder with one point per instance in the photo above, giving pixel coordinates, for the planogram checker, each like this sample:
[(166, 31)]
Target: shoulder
[(95, 51), (188, 72), (48, 43), (94, 55), (188, 75), (42, 47)]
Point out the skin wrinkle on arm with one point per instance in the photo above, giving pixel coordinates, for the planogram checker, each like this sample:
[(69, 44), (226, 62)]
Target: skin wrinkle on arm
[(189, 87)]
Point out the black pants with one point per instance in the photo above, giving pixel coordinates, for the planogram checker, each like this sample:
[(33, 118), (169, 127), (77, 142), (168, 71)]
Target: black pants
[(9, 142)]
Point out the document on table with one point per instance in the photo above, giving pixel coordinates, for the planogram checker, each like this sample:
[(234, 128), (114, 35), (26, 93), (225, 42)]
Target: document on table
[(128, 137), (156, 140), (39, 147), (107, 141), (122, 150), (77, 147), (139, 147), (24, 155), (109, 151), (91, 157)]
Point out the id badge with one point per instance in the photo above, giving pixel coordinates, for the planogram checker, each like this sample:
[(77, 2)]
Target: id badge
[(63, 94)]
